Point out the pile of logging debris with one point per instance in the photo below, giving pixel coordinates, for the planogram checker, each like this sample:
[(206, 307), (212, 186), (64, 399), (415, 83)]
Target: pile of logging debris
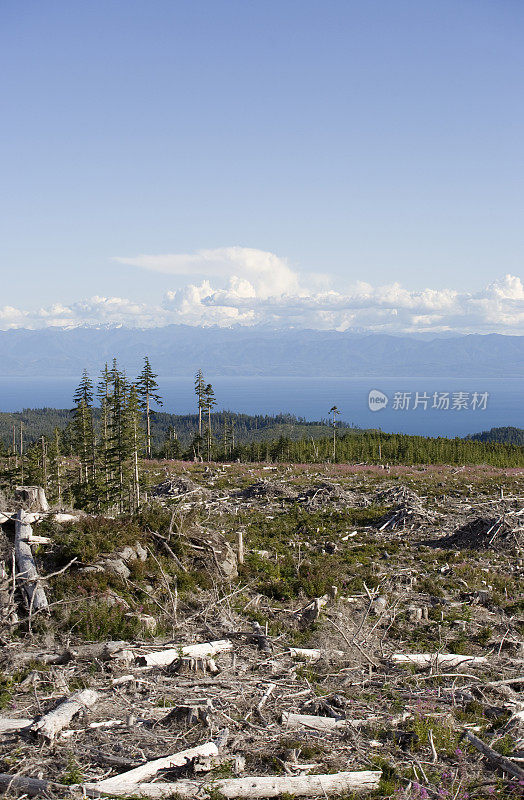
[(503, 532)]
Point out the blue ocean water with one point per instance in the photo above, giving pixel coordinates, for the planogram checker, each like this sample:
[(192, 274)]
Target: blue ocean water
[(497, 403)]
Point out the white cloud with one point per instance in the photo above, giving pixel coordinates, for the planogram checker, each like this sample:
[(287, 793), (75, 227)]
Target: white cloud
[(242, 286), (266, 272), (11, 317), (94, 311)]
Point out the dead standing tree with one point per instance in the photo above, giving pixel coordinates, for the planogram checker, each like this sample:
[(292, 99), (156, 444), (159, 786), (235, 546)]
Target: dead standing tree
[(27, 573), (334, 410)]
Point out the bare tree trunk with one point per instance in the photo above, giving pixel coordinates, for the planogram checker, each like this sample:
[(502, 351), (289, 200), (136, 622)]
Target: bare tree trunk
[(338, 783), (26, 568), (148, 423), (162, 658), (240, 546), (437, 659), (144, 772), (31, 786), (59, 718)]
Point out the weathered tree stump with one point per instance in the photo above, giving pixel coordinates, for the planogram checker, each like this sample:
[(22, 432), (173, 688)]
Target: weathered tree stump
[(31, 498), (190, 713)]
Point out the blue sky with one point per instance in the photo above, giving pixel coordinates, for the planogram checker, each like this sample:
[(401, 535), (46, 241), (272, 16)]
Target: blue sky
[(376, 142)]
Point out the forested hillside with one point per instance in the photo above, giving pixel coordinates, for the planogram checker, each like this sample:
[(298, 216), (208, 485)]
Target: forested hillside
[(244, 428), (507, 435)]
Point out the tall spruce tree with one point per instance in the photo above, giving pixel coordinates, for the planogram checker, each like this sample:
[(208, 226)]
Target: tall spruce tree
[(146, 387), (118, 452), (209, 403), (200, 391), (103, 394), (84, 429), (134, 441)]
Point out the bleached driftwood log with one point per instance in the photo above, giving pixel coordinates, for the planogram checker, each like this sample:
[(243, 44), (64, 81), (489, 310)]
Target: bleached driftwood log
[(256, 787), (312, 722), (316, 723), (31, 498), (437, 659), (26, 568), (121, 783), (163, 658), (59, 718), (8, 725), (312, 654)]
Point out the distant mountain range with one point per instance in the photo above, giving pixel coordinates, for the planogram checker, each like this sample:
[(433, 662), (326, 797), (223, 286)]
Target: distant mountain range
[(178, 350)]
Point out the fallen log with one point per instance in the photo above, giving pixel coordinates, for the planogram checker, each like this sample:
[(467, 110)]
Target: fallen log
[(103, 651), (32, 786), (437, 659), (163, 658), (120, 783), (312, 721), (255, 787), (59, 718), (500, 761), (312, 654), (26, 568), (9, 725), (317, 723)]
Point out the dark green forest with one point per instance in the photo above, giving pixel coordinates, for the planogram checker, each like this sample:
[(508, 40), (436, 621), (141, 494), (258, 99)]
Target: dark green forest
[(508, 435), (376, 447), (38, 422)]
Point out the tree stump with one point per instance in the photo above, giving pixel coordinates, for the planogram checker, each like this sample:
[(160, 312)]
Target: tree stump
[(31, 498), (190, 713)]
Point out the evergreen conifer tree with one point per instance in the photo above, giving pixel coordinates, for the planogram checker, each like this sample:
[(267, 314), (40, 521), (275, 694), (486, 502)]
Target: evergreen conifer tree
[(146, 387), (208, 405), (200, 390), (83, 429)]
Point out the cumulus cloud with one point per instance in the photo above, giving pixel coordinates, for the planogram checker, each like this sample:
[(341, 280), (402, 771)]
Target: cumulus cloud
[(11, 317), (266, 272), (238, 286), (94, 311)]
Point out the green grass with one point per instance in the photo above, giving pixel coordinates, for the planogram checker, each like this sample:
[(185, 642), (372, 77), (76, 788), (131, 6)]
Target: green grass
[(100, 622)]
